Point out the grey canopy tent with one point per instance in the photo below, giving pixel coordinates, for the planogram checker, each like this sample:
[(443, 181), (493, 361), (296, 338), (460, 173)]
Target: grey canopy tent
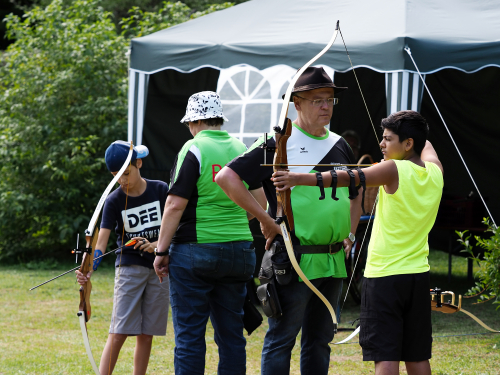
[(262, 33), (455, 44)]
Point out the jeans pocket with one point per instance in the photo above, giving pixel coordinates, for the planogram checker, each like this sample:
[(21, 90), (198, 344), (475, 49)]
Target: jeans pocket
[(206, 258), (250, 260)]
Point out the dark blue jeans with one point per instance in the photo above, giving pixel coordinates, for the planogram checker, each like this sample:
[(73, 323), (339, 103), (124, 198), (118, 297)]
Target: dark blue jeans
[(209, 280), (301, 309)]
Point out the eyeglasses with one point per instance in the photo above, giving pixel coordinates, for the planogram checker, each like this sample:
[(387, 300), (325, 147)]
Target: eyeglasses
[(319, 102)]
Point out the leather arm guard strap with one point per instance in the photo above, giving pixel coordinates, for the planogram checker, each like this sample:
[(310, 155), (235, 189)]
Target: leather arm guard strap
[(362, 182), (334, 185), (353, 191), (319, 178)]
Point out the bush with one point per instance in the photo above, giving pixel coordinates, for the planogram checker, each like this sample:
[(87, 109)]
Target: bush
[(488, 286), (63, 100)]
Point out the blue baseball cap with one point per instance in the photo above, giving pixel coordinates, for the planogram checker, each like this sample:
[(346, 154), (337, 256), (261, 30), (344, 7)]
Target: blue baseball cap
[(117, 153)]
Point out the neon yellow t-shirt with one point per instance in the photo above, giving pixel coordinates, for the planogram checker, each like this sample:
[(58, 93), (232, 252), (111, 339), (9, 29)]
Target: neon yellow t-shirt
[(398, 243)]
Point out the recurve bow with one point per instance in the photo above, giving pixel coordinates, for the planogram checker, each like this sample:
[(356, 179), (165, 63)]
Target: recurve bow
[(91, 234), (439, 304), (284, 213)]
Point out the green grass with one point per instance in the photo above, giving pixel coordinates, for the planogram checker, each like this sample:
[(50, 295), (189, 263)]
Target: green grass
[(40, 333)]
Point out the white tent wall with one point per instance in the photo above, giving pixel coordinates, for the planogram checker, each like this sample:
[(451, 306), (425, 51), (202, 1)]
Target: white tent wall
[(403, 91), (137, 99)]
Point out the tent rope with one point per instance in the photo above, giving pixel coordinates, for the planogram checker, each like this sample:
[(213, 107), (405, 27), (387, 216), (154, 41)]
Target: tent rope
[(407, 49)]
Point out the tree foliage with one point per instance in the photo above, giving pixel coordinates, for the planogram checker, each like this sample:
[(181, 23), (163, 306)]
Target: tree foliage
[(141, 23), (63, 100), (488, 286)]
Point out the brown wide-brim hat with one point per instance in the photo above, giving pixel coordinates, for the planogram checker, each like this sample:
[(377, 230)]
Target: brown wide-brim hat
[(312, 79)]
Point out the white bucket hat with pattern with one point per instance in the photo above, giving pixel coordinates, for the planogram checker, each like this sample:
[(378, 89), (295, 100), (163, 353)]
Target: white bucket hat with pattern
[(203, 105)]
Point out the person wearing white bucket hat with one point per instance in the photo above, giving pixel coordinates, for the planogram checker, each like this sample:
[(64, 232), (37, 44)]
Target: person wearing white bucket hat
[(205, 244), (202, 106)]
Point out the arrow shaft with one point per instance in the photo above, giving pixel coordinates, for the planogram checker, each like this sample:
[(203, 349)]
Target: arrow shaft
[(74, 269), (316, 165), (62, 274)]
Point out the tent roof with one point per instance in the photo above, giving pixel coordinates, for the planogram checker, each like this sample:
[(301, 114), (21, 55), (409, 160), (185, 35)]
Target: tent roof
[(459, 34)]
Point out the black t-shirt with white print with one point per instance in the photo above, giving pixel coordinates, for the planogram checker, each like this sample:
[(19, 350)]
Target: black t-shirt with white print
[(142, 219)]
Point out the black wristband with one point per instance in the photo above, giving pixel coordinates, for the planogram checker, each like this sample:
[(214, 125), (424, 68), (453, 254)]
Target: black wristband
[(334, 185), (353, 192), (160, 254), (362, 182), (319, 183)]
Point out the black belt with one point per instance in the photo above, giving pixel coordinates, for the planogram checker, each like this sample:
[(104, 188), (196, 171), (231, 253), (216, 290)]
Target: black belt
[(319, 249)]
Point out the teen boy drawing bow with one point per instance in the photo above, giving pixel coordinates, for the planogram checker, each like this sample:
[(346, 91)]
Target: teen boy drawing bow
[(395, 311)]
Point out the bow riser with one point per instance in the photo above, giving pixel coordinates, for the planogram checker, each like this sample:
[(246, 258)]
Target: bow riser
[(284, 207), (87, 265)]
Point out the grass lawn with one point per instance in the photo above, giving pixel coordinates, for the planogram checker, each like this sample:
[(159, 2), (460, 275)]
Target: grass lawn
[(40, 333)]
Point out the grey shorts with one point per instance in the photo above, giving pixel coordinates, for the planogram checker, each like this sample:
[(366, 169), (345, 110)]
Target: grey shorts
[(140, 304)]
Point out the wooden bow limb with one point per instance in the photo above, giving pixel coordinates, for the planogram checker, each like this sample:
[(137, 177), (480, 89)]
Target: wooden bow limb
[(84, 309), (450, 308), (296, 266), (350, 337), (86, 342), (479, 321)]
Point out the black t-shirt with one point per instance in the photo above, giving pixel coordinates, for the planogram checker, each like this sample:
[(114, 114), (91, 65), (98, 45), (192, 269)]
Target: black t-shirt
[(143, 219)]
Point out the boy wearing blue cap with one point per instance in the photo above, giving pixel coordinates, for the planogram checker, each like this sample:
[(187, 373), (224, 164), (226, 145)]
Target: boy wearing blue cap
[(140, 306)]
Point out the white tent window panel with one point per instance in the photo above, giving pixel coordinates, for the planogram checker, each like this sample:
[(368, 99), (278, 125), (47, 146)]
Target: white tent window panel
[(251, 99), (403, 91)]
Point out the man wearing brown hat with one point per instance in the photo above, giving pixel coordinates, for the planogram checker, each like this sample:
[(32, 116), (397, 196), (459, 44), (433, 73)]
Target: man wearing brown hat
[(322, 227)]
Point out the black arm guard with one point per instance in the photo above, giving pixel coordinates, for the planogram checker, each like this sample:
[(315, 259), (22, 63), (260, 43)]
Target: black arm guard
[(334, 185), (319, 183), (353, 191), (362, 182)]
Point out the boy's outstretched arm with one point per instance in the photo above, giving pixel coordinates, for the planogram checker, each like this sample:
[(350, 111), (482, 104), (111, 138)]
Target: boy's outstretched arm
[(385, 173), (429, 154)]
